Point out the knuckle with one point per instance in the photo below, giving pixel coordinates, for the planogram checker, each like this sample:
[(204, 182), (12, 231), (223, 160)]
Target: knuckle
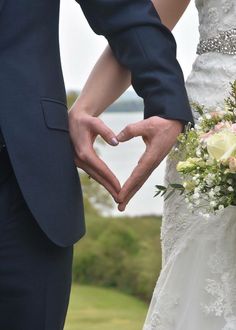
[(153, 122), (98, 125), (83, 121), (92, 122), (129, 129), (89, 121), (82, 155), (96, 121)]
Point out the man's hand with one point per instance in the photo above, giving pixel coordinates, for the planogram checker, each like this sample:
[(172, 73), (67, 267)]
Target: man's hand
[(159, 135), (84, 129)]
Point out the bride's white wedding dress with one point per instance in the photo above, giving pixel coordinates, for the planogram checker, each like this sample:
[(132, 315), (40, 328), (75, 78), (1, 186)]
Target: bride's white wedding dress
[(196, 289)]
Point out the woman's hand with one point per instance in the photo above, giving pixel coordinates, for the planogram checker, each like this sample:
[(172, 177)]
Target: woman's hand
[(84, 128), (159, 135)]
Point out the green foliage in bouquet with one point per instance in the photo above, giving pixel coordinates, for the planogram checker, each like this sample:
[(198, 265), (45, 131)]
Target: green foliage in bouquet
[(206, 159)]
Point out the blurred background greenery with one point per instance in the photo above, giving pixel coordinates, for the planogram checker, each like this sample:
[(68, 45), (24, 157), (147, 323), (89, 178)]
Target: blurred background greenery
[(94, 308)]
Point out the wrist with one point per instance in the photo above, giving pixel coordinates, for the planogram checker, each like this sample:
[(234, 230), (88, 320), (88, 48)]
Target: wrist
[(85, 106)]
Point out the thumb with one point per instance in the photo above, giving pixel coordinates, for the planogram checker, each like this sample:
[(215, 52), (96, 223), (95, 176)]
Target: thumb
[(107, 134), (131, 131)]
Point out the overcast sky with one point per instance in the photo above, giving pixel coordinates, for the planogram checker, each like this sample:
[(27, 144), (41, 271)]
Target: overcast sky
[(80, 47)]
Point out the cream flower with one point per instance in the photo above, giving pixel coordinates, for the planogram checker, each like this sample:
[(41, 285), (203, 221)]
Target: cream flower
[(222, 145), (189, 185)]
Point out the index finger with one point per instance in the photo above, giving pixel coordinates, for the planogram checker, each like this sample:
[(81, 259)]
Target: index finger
[(137, 178), (132, 130), (91, 160)]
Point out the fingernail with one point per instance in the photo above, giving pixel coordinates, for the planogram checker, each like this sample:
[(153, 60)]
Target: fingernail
[(114, 141)]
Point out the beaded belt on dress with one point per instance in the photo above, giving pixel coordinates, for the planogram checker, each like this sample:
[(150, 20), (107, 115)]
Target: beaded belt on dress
[(224, 42)]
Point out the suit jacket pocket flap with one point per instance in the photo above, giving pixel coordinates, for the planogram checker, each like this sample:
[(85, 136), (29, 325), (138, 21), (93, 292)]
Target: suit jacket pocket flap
[(55, 114)]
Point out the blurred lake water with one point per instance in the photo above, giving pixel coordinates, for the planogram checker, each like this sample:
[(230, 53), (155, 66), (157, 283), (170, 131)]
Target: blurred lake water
[(123, 158)]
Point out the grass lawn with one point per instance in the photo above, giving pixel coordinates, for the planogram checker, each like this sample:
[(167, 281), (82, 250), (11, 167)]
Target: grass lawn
[(93, 308)]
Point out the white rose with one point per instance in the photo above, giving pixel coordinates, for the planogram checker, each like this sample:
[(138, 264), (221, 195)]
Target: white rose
[(221, 145)]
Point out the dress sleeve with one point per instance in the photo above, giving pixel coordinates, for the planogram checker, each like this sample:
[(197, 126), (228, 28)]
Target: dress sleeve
[(142, 44)]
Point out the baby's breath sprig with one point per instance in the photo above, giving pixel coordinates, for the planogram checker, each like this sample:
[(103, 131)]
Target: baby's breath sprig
[(187, 143)]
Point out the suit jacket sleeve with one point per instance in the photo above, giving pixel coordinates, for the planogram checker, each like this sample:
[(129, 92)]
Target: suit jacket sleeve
[(147, 48)]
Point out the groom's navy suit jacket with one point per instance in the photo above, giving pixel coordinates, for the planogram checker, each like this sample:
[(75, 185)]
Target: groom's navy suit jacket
[(33, 111)]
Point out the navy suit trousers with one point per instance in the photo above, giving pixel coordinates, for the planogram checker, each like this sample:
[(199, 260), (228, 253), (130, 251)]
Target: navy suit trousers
[(35, 274)]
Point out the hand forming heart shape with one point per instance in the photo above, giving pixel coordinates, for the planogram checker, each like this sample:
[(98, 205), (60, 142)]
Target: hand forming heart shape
[(158, 134)]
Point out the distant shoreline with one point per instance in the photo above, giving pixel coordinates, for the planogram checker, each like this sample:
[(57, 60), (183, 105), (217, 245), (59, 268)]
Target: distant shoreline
[(126, 106), (129, 102), (122, 110)]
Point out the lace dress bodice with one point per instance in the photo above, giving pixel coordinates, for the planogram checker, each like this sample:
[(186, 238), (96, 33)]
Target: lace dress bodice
[(208, 83), (196, 288), (215, 16)]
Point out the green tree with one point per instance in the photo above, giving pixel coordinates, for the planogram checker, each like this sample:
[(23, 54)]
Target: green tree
[(71, 97)]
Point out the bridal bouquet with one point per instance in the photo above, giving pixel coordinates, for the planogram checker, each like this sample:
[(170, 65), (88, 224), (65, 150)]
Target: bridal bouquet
[(206, 160)]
